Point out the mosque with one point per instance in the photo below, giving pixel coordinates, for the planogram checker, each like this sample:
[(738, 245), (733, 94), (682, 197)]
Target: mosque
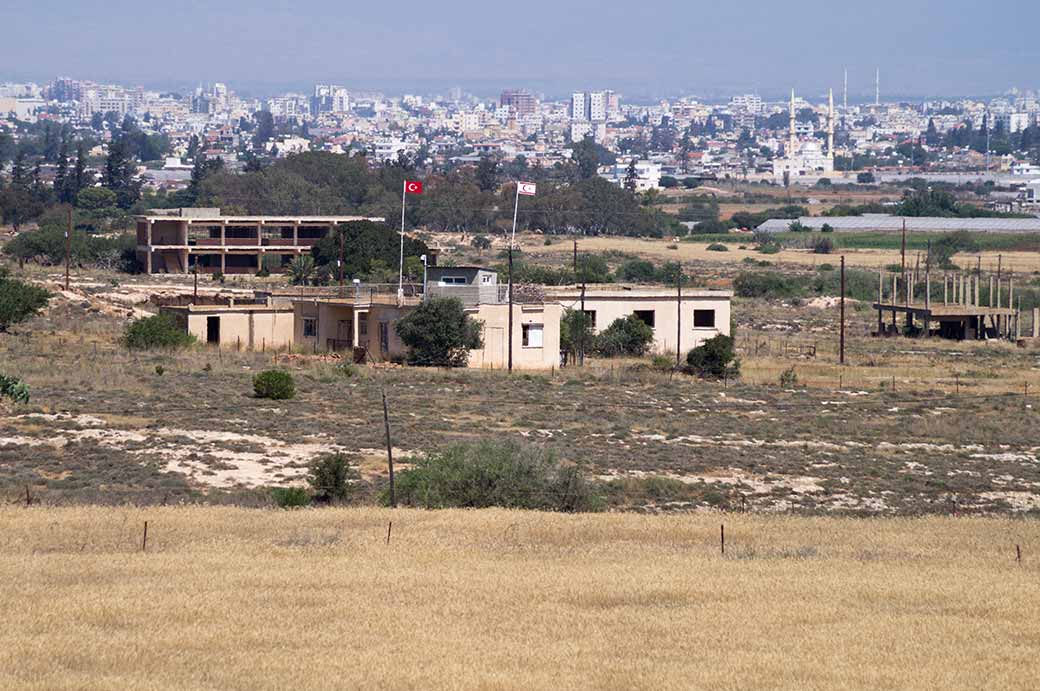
[(805, 157)]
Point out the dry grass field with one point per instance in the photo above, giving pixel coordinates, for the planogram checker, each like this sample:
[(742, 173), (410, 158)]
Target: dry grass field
[(247, 599)]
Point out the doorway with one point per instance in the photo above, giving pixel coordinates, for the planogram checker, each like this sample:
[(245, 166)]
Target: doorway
[(212, 329)]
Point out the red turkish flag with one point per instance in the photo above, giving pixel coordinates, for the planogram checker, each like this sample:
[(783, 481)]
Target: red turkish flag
[(413, 187)]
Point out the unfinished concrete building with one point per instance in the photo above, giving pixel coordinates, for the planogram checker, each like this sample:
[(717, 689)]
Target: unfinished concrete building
[(963, 305), (201, 239)]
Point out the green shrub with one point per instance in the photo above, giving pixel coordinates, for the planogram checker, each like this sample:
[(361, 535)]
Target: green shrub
[(766, 284), (822, 245), (663, 363), (494, 473), (714, 359), (798, 227), (275, 384), (216, 277), (331, 478), (770, 248), (346, 369), (290, 497), (625, 336), (14, 388), (717, 247), (160, 331), (788, 378), (826, 228), (18, 300), (439, 332)]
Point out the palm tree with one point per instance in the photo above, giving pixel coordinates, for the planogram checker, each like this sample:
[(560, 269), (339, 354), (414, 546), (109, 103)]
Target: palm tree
[(301, 270)]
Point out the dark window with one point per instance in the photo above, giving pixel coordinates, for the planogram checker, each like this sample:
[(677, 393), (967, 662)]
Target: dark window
[(591, 316), (704, 319), (645, 316), (212, 329), (310, 327)]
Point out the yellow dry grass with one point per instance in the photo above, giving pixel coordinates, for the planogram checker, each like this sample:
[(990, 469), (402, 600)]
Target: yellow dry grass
[(661, 250), (238, 599)]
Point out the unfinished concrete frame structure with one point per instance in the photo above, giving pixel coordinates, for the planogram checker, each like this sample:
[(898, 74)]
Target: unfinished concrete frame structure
[(202, 239), (961, 314)]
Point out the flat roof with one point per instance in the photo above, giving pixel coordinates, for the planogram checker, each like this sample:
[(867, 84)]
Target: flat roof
[(263, 219), (926, 224), (641, 292)]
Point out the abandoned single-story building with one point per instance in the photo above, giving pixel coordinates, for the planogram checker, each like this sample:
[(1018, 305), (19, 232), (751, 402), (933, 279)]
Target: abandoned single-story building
[(368, 319), (678, 326), (265, 324)]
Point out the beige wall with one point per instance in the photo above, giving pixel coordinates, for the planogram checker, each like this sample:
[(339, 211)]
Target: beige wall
[(253, 329), (495, 353), (335, 322), (494, 319), (612, 305)]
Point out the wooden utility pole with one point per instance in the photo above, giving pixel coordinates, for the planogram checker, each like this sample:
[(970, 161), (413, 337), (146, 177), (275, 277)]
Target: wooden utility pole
[(678, 319), (902, 252), (575, 261), (510, 291), (389, 450), (68, 248), (584, 327), (841, 333)]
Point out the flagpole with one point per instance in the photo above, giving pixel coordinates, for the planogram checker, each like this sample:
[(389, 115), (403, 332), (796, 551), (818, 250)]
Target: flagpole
[(516, 208), (512, 243), (400, 271)]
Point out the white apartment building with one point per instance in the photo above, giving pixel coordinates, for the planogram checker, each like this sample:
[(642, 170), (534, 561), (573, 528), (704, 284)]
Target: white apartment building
[(597, 106), (648, 174), (578, 106)]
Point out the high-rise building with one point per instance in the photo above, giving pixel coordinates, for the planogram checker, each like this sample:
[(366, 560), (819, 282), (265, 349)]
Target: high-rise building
[(521, 102), (597, 101), (578, 106), (329, 98)]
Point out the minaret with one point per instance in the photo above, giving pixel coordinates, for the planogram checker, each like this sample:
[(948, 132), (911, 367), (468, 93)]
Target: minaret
[(877, 87), (790, 144), (830, 124), (845, 93)]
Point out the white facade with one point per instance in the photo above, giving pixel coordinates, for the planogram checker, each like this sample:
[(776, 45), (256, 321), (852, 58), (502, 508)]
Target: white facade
[(597, 106), (578, 106), (648, 175)]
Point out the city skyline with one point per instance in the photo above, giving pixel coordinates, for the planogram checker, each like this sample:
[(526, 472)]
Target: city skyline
[(712, 52)]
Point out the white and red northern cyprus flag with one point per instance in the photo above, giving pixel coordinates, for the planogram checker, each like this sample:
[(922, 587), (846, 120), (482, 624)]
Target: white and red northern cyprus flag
[(413, 187), (526, 188)]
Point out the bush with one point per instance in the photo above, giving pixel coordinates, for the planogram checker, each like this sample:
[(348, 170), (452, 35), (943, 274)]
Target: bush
[(14, 388), (637, 271), (330, 477), (663, 363), (275, 384), (19, 301), (788, 378), (765, 284), (717, 247), (668, 182), (771, 248), (625, 336), (439, 333), (290, 497), (160, 331), (712, 227), (865, 178), (714, 359), (822, 245), (798, 227), (494, 473), (826, 228), (217, 277)]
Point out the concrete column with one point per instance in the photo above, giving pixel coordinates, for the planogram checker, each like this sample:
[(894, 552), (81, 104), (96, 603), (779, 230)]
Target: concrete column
[(946, 289), (223, 261), (1036, 322), (223, 233), (295, 233), (978, 297), (259, 234), (148, 243), (1011, 293)]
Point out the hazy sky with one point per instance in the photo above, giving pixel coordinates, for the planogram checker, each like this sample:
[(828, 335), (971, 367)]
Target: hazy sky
[(923, 47)]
